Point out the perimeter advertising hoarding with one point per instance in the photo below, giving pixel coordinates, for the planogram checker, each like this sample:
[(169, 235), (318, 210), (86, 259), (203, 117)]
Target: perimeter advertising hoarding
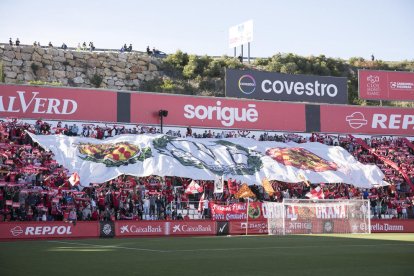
[(367, 120), (217, 112), (35, 102), (48, 230), (273, 86), (131, 228), (386, 85)]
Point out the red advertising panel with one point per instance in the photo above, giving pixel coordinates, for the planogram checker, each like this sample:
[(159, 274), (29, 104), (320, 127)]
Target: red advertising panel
[(164, 228), (191, 228), (47, 230), (217, 112), (392, 226), (253, 227), (57, 103), (126, 228), (386, 85), (367, 120)]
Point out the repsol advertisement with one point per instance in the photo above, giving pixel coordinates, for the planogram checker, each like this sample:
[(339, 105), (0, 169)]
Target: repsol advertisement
[(273, 86)]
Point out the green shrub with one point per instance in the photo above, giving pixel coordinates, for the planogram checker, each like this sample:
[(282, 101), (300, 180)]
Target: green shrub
[(96, 80)]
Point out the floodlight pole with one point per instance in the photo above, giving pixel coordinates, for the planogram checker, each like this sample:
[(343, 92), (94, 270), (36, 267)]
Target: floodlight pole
[(248, 52), (242, 52)]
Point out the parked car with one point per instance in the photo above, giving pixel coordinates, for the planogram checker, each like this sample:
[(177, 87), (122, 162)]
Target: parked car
[(159, 54)]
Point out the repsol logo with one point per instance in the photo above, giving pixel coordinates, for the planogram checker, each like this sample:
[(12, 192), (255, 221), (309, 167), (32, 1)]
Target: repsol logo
[(30, 103), (41, 230), (299, 88), (227, 116)]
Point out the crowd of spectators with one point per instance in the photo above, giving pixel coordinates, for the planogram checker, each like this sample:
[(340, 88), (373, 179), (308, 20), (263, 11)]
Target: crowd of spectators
[(34, 187)]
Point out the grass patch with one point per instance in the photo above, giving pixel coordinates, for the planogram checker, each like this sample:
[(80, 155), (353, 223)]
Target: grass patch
[(376, 254)]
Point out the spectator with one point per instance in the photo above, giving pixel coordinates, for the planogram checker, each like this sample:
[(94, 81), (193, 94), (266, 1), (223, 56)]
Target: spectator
[(148, 51), (10, 42), (72, 216), (50, 44), (240, 58), (35, 44), (372, 57), (64, 46), (84, 46), (91, 46), (17, 42), (130, 48)]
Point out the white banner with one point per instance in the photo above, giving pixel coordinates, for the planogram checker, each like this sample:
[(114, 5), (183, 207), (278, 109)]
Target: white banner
[(243, 159), (219, 185)]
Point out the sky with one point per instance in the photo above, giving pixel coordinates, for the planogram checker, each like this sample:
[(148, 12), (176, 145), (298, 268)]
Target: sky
[(337, 29)]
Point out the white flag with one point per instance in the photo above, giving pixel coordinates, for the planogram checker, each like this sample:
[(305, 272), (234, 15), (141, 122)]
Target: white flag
[(219, 185)]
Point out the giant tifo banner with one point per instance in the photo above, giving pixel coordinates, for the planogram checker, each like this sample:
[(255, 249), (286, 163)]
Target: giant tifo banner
[(285, 87), (97, 161), (367, 120), (217, 112), (57, 103), (47, 230), (386, 85)]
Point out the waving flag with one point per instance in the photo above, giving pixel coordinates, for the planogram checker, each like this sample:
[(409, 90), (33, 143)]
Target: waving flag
[(316, 193), (193, 188), (219, 185), (74, 179), (244, 192), (267, 187)]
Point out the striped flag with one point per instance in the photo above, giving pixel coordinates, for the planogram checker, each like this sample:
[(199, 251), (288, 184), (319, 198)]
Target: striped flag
[(74, 179), (267, 187), (244, 192), (193, 188), (316, 193)]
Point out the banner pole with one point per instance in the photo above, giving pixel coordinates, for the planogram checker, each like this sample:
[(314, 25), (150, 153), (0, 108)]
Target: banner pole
[(247, 214)]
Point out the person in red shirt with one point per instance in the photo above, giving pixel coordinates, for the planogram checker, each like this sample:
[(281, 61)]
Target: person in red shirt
[(101, 202)]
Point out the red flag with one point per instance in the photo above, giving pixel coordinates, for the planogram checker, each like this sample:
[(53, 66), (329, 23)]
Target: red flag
[(233, 187), (74, 179)]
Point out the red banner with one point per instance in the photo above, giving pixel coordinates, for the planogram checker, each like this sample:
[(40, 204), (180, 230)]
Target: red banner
[(236, 211), (57, 103), (386, 85), (164, 228), (46, 230), (217, 112), (367, 120)]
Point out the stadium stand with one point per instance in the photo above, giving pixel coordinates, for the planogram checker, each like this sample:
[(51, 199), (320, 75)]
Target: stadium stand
[(34, 187)]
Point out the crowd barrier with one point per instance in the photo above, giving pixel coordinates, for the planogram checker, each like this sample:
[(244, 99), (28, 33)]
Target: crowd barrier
[(58, 229)]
